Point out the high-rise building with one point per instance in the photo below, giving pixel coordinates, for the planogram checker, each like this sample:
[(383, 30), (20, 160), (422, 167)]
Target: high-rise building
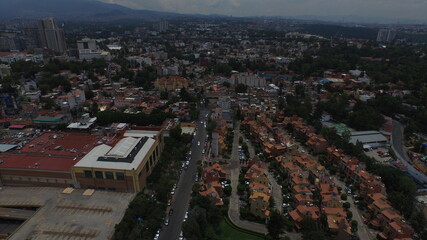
[(386, 35), (162, 26), (51, 36)]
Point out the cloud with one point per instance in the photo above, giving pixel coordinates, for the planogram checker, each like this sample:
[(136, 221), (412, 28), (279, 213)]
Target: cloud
[(409, 9)]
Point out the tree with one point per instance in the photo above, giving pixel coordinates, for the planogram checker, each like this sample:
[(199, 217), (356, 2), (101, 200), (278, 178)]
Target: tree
[(346, 205), (311, 230), (241, 88), (210, 127), (227, 190), (191, 229), (354, 225), (275, 224), (176, 133), (164, 95)]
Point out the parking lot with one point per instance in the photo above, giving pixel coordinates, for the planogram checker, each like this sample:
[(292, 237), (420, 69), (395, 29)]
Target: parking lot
[(380, 154), (66, 216)]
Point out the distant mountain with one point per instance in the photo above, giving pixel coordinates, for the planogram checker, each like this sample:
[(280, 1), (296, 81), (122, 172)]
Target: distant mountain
[(359, 19), (78, 10)]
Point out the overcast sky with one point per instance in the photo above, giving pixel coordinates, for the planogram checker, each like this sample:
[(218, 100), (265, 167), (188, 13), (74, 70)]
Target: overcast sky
[(396, 9)]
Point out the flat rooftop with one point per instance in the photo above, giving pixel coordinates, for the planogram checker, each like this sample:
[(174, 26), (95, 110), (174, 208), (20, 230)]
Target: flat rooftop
[(66, 216), (127, 154), (55, 151)]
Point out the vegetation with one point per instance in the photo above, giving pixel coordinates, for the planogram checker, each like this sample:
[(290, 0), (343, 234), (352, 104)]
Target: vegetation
[(204, 219), (146, 211), (276, 224), (142, 119), (228, 231)]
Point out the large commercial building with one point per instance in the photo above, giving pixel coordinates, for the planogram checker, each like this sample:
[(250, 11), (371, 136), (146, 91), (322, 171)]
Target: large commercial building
[(118, 160), (122, 167), (46, 160), (51, 36), (373, 139)]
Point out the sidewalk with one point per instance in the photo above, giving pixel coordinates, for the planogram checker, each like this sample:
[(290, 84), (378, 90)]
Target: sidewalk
[(233, 210)]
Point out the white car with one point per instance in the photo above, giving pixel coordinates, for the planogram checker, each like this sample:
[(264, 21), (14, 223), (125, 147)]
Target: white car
[(198, 143), (186, 215)]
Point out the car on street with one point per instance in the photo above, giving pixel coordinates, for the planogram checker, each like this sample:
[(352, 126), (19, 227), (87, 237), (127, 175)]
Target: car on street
[(186, 215), (198, 143), (169, 202), (181, 236), (166, 222), (171, 212)]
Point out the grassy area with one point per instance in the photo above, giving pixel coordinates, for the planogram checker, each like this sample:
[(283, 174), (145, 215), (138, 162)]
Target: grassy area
[(228, 232)]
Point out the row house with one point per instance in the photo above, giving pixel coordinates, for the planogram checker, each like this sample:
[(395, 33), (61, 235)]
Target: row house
[(259, 203), (304, 161), (317, 143), (212, 188), (397, 230), (260, 191), (369, 183), (303, 211), (214, 173), (335, 155), (213, 194)]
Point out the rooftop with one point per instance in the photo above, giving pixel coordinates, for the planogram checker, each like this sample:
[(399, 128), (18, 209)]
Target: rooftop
[(127, 154), (62, 215), (55, 151)]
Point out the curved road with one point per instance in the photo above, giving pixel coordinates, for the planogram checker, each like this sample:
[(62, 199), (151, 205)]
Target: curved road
[(400, 151)]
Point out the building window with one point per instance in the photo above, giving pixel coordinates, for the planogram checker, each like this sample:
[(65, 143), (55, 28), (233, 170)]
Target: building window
[(88, 174), (98, 174), (120, 176), (109, 175)]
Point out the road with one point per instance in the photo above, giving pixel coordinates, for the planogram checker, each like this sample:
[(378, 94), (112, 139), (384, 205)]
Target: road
[(363, 230), (181, 198), (400, 151), (233, 210)]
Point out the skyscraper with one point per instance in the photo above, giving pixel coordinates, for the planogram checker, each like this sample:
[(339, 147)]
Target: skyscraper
[(386, 35), (51, 36)]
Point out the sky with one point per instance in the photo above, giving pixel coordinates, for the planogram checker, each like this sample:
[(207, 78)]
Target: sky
[(394, 9)]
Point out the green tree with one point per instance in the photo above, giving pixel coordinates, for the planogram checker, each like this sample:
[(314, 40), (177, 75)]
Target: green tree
[(210, 127), (275, 224), (176, 133), (241, 88), (354, 225)]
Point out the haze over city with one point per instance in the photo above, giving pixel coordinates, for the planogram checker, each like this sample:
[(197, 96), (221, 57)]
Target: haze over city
[(213, 119), (394, 9)]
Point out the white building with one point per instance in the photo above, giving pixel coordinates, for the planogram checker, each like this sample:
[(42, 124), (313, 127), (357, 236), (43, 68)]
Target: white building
[(88, 50), (250, 80), (386, 35)]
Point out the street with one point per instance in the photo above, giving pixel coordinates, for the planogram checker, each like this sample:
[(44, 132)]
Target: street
[(398, 148), (363, 230), (181, 198)]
